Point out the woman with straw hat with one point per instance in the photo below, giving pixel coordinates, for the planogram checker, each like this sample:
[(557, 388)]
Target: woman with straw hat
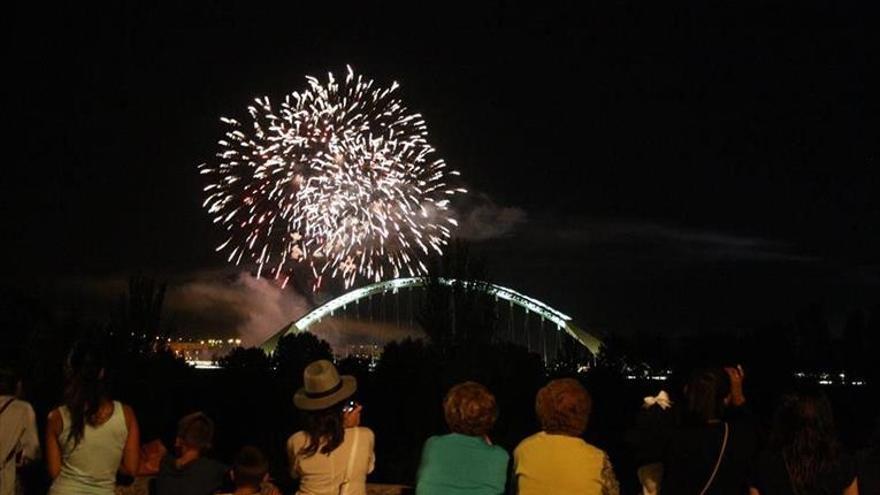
[(332, 454)]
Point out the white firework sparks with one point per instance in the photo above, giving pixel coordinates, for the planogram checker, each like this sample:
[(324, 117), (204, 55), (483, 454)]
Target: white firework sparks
[(339, 178)]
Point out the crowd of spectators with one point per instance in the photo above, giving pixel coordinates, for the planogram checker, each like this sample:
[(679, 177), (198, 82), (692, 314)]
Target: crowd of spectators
[(702, 439)]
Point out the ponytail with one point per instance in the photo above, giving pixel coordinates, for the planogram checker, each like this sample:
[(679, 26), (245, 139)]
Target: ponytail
[(85, 389)]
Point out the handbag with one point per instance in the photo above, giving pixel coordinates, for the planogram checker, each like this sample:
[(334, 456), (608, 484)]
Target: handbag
[(718, 462), (343, 488)]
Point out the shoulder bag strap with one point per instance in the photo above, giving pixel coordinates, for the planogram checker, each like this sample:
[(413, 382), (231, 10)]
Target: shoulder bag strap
[(6, 405), (5, 461), (718, 462), (351, 456)]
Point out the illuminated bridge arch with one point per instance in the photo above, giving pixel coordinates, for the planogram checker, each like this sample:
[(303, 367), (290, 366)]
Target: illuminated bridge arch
[(562, 321)]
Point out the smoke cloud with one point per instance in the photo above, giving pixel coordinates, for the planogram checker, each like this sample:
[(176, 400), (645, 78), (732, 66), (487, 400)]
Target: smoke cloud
[(481, 218), (254, 309), (341, 332)]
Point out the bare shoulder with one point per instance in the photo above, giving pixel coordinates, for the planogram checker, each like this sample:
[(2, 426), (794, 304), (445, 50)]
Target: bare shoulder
[(54, 421), (54, 415), (129, 412)]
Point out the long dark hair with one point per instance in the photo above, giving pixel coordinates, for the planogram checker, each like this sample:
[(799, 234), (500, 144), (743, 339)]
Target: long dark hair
[(85, 389), (704, 395), (324, 429), (804, 434)]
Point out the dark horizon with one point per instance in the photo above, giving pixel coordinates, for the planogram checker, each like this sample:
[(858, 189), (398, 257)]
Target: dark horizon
[(645, 169)]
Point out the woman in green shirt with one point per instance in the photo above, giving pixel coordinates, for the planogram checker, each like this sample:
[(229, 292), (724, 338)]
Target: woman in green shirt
[(464, 461)]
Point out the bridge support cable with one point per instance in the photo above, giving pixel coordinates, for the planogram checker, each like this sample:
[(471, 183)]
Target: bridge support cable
[(412, 310), (510, 335), (543, 338)]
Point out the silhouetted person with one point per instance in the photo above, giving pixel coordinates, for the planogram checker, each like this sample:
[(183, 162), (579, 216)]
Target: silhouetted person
[(188, 471), (91, 436), (556, 459), (649, 438), (250, 471), (804, 456), (711, 451), (19, 441), (868, 464), (333, 453), (464, 461)]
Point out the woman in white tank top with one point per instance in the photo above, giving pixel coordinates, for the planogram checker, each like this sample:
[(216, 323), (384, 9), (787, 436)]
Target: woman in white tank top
[(90, 437)]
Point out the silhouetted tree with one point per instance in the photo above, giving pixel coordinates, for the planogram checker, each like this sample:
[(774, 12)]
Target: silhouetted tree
[(856, 353), (293, 353), (813, 338), (407, 398), (241, 358), (616, 357), (135, 326), (570, 357), (357, 366), (461, 313), (872, 343)]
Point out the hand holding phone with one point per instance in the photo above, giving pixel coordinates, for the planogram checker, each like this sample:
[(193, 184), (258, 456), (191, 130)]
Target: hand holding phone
[(351, 414)]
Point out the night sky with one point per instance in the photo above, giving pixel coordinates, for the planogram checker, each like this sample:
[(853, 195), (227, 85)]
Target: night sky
[(641, 167)]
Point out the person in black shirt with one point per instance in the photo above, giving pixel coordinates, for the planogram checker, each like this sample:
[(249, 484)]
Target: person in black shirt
[(712, 448), (189, 472), (869, 464), (804, 456)]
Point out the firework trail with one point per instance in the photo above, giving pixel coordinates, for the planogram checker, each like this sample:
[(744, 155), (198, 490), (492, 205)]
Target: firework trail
[(339, 178)]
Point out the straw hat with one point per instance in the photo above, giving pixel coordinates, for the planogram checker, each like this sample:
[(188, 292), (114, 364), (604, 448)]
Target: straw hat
[(323, 387)]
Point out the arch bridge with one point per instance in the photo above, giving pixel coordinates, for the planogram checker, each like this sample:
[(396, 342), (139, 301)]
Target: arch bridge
[(559, 321)]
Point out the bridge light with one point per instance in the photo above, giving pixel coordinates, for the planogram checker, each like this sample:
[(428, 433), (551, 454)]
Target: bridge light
[(529, 304)]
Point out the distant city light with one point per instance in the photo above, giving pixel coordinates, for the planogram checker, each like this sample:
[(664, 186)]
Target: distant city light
[(204, 365), (821, 378), (202, 353)]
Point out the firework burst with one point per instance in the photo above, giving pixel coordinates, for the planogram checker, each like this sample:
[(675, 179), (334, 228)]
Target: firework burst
[(339, 178)]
